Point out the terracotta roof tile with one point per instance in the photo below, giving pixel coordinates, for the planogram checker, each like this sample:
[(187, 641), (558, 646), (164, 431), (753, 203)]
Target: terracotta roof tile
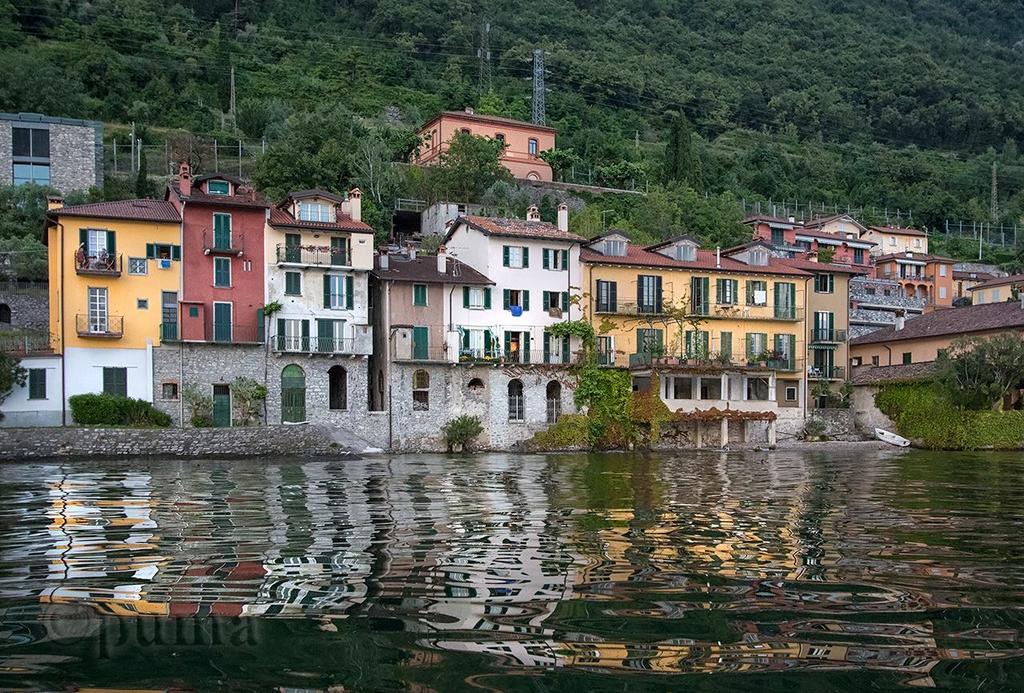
[(250, 198), (812, 266), (517, 228), (482, 118), (898, 230), (903, 372), (281, 217), (141, 210), (919, 257), (706, 260), (424, 269), (831, 236), (948, 322), (999, 281)]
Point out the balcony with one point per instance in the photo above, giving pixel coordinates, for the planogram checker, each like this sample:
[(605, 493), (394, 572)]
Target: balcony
[(168, 332), (714, 362), (100, 326), (217, 244), (480, 357), (216, 333), (710, 310), (316, 345), (99, 266), (826, 373), (827, 336), (312, 256)]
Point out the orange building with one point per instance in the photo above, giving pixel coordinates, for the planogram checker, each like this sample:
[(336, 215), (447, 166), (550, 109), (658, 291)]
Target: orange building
[(523, 141), (928, 277)]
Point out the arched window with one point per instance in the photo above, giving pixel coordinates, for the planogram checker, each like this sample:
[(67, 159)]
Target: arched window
[(516, 410), (293, 394), (5, 313), (420, 391), (554, 400), (476, 385), (337, 388)]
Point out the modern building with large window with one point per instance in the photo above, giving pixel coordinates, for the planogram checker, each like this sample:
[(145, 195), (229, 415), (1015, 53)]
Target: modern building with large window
[(114, 277), (61, 153)]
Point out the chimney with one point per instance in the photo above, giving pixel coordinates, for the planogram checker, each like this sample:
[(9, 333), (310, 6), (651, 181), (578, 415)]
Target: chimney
[(384, 260), (185, 179), (563, 217), (470, 110), (792, 220), (410, 250), (355, 204), (900, 322), (718, 256), (54, 202), (442, 260), (533, 214)]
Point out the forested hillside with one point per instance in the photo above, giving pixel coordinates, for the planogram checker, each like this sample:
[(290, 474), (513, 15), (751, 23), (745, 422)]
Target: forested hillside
[(860, 102)]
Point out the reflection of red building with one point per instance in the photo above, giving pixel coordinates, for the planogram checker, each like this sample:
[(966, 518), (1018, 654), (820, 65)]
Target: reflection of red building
[(796, 240), (223, 221)]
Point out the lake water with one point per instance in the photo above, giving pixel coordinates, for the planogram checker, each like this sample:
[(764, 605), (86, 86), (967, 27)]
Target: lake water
[(843, 570)]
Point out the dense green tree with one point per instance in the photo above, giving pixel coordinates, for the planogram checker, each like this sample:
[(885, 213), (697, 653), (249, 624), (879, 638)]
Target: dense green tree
[(468, 168), (682, 163), (981, 373)]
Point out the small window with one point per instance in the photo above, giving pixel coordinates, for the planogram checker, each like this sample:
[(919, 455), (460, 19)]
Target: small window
[(856, 361), (516, 408), (790, 394), (686, 252), (247, 265), (193, 311), (476, 298), (5, 313), (500, 137), (115, 381), (419, 294), (824, 283), (218, 187), (476, 385), (942, 292), (886, 292), (420, 391), (515, 256), (533, 146), (892, 240), (870, 291), (942, 270), (759, 257), (137, 265), (293, 283), (169, 391), (908, 358), (874, 360), (37, 383), (316, 211), (142, 303), (222, 272)]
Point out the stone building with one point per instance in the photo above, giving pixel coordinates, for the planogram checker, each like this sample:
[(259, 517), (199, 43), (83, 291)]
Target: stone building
[(24, 307), (62, 153)]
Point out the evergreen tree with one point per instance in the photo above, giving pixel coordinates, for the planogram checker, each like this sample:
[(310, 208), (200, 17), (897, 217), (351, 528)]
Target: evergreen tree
[(681, 160), (142, 186)]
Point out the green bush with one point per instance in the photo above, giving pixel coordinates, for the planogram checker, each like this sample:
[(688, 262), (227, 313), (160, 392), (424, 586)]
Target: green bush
[(571, 431), (112, 410), (926, 413), (461, 431)]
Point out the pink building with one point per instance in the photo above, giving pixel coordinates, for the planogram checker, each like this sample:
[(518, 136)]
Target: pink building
[(523, 141), (798, 241), (222, 273)]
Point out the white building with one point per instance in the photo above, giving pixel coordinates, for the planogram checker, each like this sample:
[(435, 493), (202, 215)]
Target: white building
[(39, 401)]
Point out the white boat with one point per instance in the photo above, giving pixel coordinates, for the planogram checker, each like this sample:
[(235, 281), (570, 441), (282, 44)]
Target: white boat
[(891, 438)]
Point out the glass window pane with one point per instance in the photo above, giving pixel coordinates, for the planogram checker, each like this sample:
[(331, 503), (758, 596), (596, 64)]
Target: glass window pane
[(40, 143), (22, 141)]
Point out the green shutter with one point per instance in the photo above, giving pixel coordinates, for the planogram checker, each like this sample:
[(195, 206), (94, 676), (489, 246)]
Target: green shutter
[(487, 297), (545, 261), (504, 298), (526, 299), (175, 252), (465, 297), (547, 344), (327, 291), (150, 251), (464, 334), (719, 290), (324, 334), (750, 346), (349, 297), (689, 343), (565, 349), (508, 342), (544, 300), (565, 302), (280, 333), (526, 347), (504, 255), (725, 344), (526, 257), (111, 243), (487, 342), (83, 238), (305, 336), (565, 260)]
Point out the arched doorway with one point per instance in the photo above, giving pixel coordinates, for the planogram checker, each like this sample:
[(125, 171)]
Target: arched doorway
[(337, 386), (554, 400), (293, 394), (516, 405)]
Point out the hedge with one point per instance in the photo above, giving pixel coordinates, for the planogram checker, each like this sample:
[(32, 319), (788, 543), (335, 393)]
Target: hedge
[(112, 410), (925, 413)]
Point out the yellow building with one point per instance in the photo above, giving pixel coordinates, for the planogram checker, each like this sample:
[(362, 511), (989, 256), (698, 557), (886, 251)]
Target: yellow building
[(997, 290), (114, 275), (709, 329)]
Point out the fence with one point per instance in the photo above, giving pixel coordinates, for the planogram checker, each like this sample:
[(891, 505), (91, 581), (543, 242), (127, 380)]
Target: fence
[(237, 156)]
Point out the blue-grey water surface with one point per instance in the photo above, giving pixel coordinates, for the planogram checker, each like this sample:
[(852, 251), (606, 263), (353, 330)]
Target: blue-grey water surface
[(831, 570)]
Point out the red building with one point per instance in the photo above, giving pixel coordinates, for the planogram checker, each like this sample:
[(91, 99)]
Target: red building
[(222, 271), (797, 241)]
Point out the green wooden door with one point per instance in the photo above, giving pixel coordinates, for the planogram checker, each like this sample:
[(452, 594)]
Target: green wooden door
[(221, 406), (420, 339), (292, 251), (222, 322), (293, 394)]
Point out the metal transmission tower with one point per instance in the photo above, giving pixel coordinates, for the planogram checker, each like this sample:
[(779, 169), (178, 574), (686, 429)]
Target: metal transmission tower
[(483, 54), (538, 86)]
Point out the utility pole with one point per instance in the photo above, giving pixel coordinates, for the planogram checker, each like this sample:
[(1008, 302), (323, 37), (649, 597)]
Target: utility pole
[(231, 103), (994, 208), (483, 54), (538, 86)]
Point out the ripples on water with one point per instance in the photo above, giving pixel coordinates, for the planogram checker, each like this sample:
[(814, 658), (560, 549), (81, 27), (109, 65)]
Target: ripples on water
[(516, 572)]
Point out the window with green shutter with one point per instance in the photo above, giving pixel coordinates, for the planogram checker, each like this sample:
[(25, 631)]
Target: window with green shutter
[(37, 383), (725, 346), (293, 283), (824, 283), (419, 294), (115, 381), (222, 272), (222, 231)]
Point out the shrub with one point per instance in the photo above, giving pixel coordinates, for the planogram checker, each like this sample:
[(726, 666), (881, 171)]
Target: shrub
[(113, 410), (461, 431), (201, 406), (571, 431)]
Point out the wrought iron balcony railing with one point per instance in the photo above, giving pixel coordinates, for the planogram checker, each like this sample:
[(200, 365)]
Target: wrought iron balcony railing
[(102, 265), (100, 326)]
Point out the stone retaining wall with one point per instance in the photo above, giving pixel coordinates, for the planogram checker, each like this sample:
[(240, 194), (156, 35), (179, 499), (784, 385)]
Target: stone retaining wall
[(839, 423), (19, 444)]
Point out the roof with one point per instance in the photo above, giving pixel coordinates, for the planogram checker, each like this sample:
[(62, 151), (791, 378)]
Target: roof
[(672, 241), (821, 221), (832, 236), (902, 372), (248, 198), (999, 281), (217, 175), (706, 260), (516, 228), (283, 218), (980, 276), (950, 322), (40, 118), (424, 270), (898, 230), (919, 257), (315, 192), (137, 210), (768, 219), (480, 117), (813, 266)]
